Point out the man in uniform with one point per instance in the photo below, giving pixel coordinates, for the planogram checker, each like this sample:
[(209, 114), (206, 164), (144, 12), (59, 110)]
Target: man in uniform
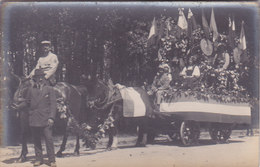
[(42, 110), (48, 62)]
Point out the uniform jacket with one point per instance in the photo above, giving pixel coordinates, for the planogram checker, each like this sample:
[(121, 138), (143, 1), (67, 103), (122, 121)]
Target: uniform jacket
[(42, 105), (49, 65)]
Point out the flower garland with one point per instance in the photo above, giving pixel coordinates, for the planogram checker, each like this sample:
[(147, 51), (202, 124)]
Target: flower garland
[(206, 94), (84, 132)]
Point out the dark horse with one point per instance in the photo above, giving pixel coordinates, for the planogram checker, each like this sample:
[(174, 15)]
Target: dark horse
[(70, 105), (106, 99)]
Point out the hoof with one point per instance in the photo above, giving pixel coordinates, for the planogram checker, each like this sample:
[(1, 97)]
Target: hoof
[(59, 154), (76, 153), (111, 148), (140, 145), (21, 159), (37, 163)]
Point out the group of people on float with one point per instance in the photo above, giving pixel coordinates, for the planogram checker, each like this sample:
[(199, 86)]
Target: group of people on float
[(189, 73)]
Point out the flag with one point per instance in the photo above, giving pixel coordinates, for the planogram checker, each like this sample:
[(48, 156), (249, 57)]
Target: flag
[(182, 22), (152, 29), (190, 24), (231, 32), (152, 34), (168, 26), (182, 25), (192, 19), (213, 26), (136, 102), (205, 25), (242, 39), (233, 25), (160, 33)]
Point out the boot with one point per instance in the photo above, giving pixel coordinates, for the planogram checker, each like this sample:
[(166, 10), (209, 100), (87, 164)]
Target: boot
[(53, 164)]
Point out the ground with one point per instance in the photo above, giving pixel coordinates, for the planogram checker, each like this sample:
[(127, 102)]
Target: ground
[(241, 151)]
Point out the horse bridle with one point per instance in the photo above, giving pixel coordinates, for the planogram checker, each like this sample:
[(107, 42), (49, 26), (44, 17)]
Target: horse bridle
[(19, 90), (102, 103)]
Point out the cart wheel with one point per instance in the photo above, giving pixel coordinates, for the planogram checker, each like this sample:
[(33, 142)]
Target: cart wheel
[(190, 132), (220, 133)]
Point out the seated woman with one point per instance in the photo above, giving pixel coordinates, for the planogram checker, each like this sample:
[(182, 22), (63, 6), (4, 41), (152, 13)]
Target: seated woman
[(190, 74), (161, 82), (221, 64)]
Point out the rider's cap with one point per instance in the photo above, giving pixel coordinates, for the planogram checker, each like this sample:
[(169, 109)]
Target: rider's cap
[(46, 42)]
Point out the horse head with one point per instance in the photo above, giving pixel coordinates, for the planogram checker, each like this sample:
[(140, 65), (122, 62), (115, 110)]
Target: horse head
[(19, 94), (97, 93)]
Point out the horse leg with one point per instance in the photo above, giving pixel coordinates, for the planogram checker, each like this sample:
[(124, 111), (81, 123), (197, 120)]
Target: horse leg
[(112, 143), (142, 137), (24, 124), (63, 145), (76, 151), (110, 139), (139, 138), (142, 133), (251, 131), (247, 131), (24, 151)]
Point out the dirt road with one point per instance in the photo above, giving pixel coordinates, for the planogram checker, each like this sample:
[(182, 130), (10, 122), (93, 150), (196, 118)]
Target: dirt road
[(242, 151)]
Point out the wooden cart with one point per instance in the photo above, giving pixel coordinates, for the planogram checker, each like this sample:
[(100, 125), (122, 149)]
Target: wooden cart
[(184, 116)]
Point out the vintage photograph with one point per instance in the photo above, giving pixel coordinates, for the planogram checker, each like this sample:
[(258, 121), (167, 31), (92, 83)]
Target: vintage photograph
[(171, 84)]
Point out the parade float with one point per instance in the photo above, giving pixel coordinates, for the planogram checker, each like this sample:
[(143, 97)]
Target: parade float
[(216, 101)]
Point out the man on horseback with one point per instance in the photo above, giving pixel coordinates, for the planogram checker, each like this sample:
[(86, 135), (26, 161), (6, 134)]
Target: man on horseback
[(48, 62)]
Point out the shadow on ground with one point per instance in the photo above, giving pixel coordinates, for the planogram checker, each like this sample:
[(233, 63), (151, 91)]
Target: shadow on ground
[(30, 159), (201, 142)]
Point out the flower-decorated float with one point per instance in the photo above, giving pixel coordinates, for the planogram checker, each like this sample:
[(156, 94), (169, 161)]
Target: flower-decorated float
[(219, 96)]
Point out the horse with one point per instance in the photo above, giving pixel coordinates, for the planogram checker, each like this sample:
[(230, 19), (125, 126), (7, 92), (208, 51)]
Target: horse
[(10, 84), (70, 105), (106, 100)]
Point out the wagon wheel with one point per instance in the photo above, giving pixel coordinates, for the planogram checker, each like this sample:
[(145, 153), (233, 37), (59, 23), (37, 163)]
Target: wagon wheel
[(220, 133), (190, 132)]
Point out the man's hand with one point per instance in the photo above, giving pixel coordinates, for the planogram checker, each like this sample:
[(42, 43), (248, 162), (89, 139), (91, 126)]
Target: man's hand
[(150, 92), (19, 105), (50, 122)]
